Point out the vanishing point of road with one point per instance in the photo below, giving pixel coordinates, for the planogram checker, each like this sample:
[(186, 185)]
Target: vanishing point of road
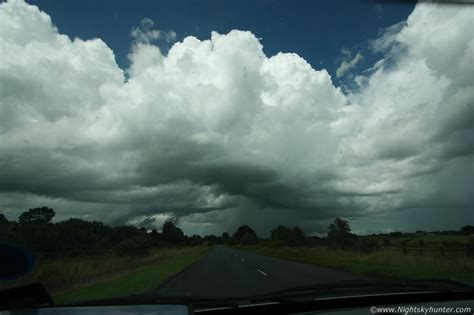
[(228, 272)]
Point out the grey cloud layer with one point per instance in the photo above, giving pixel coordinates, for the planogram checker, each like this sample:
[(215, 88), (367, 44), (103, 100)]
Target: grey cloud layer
[(215, 133)]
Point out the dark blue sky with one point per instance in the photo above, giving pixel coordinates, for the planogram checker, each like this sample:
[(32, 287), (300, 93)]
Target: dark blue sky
[(315, 30)]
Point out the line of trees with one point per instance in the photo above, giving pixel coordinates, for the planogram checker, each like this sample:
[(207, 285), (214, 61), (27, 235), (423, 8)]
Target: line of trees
[(76, 237), (340, 236)]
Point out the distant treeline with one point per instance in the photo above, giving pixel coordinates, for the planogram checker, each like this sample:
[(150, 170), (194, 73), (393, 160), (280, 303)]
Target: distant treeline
[(35, 231), (76, 237)]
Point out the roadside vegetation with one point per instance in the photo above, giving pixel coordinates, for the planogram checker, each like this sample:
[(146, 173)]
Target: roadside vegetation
[(401, 256), (141, 276), (84, 260), (80, 260)]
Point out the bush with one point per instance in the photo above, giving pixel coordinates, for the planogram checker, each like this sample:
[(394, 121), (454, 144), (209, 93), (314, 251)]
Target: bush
[(467, 230), (195, 240), (135, 246), (40, 239), (346, 242), (368, 245), (4, 226), (275, 244), (470, 247), (396, 234), (172, 234), (292, 237)]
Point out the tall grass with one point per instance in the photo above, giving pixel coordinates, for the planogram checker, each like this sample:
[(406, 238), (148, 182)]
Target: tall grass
[(388, 264), (69, 273), (142, 280)]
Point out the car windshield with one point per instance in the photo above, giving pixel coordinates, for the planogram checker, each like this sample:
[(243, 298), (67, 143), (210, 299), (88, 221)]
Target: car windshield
[(226, 149)]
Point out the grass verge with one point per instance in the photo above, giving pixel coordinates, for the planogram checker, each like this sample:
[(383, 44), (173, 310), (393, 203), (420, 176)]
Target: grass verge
[(382, 264), (77, 279)]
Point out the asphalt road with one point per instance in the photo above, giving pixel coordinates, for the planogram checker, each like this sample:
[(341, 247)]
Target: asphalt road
[(227, 272)]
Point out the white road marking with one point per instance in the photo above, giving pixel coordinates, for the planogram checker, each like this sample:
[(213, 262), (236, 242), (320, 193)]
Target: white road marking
[(242, 259), (263, 273)]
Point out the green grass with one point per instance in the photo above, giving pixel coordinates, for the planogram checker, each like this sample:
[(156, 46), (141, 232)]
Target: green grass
[(434, 239), (106, 276), (400, 240), (383, 264), (140, 281), (440, 240)]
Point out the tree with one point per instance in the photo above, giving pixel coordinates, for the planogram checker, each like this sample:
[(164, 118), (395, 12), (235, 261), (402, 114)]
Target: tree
[(281, 233), (248, 239), (171, 233), (4, 224), (37, 215), (299, 237), (225, 238), (340, 236), (340, 227), (241, 231), (135, 246), (467, 229), (289, 236), (211, 239), (121, 233), (76, 237), (195, 240)]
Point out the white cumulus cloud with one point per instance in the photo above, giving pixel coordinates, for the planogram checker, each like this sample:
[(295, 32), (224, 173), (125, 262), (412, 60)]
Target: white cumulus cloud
[(348, 65), (144, 33), (216, 134)]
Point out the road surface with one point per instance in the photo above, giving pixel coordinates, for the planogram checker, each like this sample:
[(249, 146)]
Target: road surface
[(227, 272)]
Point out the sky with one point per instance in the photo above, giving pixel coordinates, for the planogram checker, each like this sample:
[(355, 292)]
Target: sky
[(215, 114)]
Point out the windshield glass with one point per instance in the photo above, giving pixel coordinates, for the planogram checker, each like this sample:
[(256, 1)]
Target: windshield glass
[(221, 149)]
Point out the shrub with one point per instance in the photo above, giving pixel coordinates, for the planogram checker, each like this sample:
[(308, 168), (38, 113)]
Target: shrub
[(368, 245), (135, 246), (470, 247), (292, 237)]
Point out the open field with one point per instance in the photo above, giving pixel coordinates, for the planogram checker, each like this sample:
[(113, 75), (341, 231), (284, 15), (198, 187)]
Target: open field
[(383, 263), (74, 279), (432, 240)]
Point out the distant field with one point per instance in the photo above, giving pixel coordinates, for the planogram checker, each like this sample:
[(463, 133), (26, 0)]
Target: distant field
[(437, 240), (400, 240), (384, 263), (452, 244), (69, 280), (431, 241)]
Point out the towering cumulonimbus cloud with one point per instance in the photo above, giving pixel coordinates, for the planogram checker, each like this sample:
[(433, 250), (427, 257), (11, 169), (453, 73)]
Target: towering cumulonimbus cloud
[(216, 134)]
